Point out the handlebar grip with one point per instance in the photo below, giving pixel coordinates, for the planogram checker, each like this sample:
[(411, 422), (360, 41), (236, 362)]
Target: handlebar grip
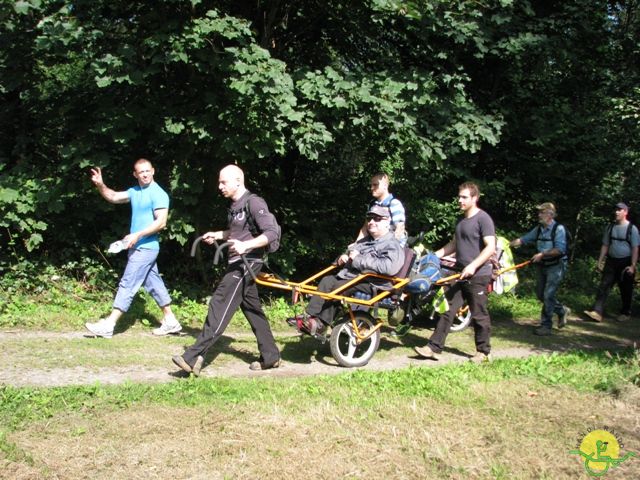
[(196, 242), (221, 247)]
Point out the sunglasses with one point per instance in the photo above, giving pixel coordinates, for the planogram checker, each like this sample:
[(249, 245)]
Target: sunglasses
[(375, 218)]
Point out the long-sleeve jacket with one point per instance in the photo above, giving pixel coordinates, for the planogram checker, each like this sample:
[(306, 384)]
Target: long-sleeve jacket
[(239, 229), (384, 255)]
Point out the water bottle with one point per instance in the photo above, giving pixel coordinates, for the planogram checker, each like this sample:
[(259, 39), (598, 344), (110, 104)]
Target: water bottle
[(116, 247)]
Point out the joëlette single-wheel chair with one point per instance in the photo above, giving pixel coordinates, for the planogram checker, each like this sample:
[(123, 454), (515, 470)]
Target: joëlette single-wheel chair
[(356, 330)]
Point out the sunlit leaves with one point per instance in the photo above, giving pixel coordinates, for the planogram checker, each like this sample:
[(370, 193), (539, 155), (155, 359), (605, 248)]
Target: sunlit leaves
[(23, 7)]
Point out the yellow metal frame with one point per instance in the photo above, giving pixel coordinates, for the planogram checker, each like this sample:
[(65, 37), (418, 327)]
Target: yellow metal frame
[(308, 287)]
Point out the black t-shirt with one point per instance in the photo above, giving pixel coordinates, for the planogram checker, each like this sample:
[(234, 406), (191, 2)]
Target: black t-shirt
[(469, 240)]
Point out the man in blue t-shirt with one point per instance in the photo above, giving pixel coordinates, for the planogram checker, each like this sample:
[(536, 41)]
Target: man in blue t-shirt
[(550, 239), (149, 211), (617, 262)]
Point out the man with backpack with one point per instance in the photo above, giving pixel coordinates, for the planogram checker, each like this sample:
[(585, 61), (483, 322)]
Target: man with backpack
[(252, 230), (617, 262), (551, 240), (382, 197)]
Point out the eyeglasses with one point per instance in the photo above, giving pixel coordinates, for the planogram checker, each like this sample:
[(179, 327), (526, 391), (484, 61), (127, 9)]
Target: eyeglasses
[(375, 218)]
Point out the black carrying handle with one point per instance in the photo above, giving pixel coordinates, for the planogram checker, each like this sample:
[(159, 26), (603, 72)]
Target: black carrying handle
[(196, 242), (220, 248), (218, 254)]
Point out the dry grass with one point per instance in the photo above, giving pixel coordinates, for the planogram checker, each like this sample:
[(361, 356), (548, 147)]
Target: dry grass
[(512, 430)]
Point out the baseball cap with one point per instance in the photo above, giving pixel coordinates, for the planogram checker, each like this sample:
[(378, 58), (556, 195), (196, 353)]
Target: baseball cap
[(621, 206), (547, 206), (379, 210)]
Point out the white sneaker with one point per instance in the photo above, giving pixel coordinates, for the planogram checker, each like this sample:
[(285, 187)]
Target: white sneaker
[(101, 328), (168, 326)]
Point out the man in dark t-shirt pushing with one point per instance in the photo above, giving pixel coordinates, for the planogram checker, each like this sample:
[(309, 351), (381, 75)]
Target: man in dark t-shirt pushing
[(473, 244)]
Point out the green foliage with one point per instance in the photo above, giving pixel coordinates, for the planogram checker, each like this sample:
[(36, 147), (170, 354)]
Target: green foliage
[(437, 220), (516, 95), (39, 294), (18, 206)]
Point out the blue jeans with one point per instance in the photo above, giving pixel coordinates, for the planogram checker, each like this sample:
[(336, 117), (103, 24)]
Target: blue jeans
[(141, 271), (549, 278)]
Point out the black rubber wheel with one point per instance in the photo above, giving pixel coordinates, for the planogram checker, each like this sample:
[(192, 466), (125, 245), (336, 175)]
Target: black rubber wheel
[(344, 346)]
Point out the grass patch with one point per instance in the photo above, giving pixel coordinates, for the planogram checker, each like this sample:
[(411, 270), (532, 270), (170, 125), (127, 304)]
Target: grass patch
[(12, 453), (581, 371), (134, 345), (68, 305), (514, 418), (509, 419), (56, 302)]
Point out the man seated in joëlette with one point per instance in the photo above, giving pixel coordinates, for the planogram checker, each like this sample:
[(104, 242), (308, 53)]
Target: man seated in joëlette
[(377, 252)]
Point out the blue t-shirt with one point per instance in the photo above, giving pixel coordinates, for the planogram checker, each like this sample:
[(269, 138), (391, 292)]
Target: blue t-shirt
[(143, 203)]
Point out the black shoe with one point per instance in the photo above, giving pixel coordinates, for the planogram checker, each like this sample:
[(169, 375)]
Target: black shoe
[(260, 365), (542, 331)]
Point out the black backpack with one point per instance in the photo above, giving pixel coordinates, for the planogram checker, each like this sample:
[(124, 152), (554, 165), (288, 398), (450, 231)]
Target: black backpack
[(253, 226), (568, 240), (627, 237)]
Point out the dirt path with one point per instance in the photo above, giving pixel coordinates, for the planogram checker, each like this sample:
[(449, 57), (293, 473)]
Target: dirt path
[(18, 370)]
